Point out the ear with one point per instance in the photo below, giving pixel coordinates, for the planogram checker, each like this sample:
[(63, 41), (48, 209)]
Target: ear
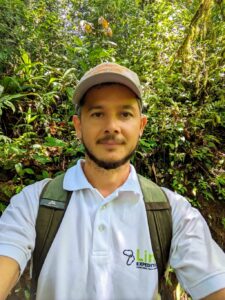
[(77, 126), (144, 121)]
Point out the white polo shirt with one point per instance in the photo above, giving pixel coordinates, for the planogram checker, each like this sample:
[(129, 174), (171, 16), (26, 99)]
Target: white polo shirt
[(103, 250)]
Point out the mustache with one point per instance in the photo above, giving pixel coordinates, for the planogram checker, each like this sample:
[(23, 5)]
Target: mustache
[(111, 137)]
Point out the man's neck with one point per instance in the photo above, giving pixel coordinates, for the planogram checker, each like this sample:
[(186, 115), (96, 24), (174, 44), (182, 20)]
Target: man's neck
[(105, 181)]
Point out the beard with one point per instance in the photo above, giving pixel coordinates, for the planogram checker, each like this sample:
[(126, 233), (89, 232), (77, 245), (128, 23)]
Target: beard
[(106, 164)]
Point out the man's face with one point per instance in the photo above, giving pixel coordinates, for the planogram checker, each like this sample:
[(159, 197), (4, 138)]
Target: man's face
[(110, 125)]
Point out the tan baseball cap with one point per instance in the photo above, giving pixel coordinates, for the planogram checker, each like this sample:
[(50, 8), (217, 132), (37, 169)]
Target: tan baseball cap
[(104, 73)]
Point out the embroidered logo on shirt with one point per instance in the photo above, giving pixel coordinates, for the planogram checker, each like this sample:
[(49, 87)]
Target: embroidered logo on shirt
[(144, 259), (130, 255)]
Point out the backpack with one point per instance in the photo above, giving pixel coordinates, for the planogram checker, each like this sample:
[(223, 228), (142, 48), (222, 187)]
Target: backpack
[(53, 203)]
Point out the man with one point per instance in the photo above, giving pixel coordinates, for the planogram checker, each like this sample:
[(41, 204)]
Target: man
[(105, 222)]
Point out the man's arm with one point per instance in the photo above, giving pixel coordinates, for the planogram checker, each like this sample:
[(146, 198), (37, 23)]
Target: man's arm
[(9, 273), (220, 295)]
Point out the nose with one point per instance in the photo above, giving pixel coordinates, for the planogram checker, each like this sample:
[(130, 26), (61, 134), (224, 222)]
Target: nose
[(112, 125)]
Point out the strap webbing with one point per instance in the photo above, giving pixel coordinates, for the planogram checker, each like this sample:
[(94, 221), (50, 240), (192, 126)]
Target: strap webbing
[(159, 221), (53, 204)]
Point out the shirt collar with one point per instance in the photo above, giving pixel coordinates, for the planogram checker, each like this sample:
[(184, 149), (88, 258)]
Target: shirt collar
[(75, 180)]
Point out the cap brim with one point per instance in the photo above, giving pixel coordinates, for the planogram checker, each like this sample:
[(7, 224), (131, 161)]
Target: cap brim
[(96, 79)]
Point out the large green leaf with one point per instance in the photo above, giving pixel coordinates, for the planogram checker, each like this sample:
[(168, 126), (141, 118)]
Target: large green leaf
[(54, 142)]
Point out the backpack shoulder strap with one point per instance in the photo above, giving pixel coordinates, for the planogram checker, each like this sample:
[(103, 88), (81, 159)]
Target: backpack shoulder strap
[(159, 220), (53, 203)]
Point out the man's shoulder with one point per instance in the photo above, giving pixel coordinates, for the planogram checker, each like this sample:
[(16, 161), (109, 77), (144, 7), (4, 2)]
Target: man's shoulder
[(179, 204), (175, 198), (29, 195), (36, 187)]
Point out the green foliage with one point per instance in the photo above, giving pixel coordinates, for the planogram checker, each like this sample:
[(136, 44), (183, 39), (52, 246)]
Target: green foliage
[(176, 48), (223, 222), (2, 208)]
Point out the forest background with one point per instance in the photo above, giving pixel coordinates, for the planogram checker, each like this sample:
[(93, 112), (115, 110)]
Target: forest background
[(178, 50)]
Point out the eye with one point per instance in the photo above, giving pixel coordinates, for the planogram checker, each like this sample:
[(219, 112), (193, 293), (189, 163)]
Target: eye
[(97, 114), (126, 114)]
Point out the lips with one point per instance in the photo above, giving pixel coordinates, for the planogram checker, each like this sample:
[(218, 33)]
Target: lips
[(110, 142)]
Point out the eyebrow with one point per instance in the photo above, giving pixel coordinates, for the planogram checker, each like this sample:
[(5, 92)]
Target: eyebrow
[(128, 107), (95, 107)]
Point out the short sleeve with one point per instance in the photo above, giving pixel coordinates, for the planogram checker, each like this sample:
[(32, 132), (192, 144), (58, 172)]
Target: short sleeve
[(17, 224), (198, 261)]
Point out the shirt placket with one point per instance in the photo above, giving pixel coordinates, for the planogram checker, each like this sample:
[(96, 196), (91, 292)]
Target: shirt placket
[(101, 232)]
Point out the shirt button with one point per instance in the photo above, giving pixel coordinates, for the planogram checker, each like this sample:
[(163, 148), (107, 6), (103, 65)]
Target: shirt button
[(103, 206), (101, 227)]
